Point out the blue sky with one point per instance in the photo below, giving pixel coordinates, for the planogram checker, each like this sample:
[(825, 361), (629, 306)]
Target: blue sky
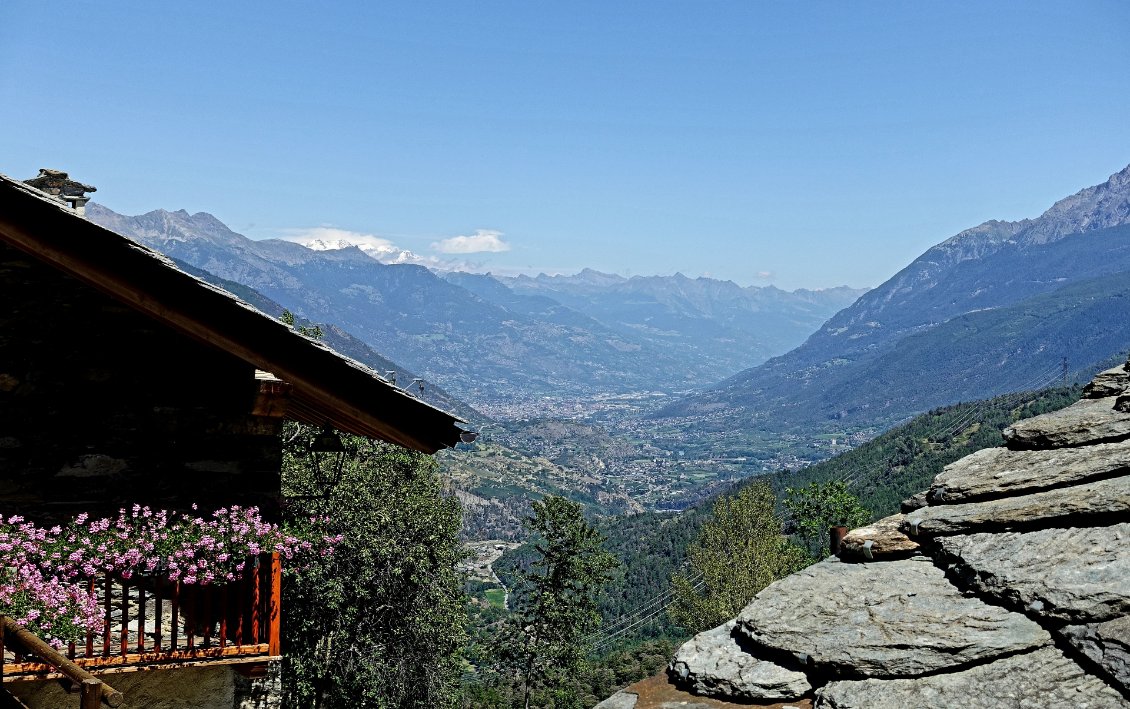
[(805, 144)]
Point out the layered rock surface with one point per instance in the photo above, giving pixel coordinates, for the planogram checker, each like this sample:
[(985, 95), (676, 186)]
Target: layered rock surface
[(1044, 678), (1016, 591), (892, 619), (1074, 575), (714, 663)]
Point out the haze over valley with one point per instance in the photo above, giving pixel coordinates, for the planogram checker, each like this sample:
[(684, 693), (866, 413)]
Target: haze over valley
[(652, 392)]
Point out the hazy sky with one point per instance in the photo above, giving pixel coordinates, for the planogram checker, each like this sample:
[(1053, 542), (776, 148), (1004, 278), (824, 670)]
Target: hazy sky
[(796, 143)]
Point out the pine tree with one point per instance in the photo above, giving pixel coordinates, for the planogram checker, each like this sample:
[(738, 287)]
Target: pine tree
[(546, 644)]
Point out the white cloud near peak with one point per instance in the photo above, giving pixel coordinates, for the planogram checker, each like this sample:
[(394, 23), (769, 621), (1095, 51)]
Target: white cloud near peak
[(482, 241), (325, 238)]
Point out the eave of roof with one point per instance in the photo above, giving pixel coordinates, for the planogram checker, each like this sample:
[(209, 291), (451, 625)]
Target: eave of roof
[(344, 393)]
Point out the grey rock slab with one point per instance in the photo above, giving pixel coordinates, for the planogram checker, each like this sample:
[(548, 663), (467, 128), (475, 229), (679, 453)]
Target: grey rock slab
[(620, 700), (1077, 575), (1107, 644), (1083, 423), (714, 664), (1111, 382), (1066, 507), (893, 619), (996, 472), (1044, 678), (877, 540), (914, 502)]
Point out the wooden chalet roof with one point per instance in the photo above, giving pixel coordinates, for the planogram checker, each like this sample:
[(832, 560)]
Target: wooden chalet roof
[(326, 387)]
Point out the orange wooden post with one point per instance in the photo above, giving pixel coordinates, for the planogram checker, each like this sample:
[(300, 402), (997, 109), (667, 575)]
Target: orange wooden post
[(256, 572), (158, 581), (273, 613), (206, 613), (191, 615), (240, 604), (140, 617), (125, 618), (223, 616)]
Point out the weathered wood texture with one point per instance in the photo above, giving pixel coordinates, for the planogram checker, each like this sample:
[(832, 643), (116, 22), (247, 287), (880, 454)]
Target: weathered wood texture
[(100, 406)]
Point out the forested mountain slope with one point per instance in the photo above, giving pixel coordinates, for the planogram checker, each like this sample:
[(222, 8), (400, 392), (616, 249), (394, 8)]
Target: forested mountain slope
[(977, 313)]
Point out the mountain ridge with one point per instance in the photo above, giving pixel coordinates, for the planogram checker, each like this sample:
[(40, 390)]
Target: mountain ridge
[(995, 265)]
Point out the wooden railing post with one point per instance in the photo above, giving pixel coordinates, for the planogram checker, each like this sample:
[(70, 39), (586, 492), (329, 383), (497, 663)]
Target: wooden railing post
[(91, 694), (274, 647)]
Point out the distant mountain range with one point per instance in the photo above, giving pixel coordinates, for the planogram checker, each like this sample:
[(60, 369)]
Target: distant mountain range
[(490, 339), (992, 309)]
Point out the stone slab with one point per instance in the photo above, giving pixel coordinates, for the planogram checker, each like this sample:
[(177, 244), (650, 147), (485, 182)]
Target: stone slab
[(1044, 679), (1083, 423), (620, 700), (1106, 644), (1075, 575), (878, 540), (997, 472), (714, 664), (1111, 382), (894, 619), (1066, 507), (914, 502)]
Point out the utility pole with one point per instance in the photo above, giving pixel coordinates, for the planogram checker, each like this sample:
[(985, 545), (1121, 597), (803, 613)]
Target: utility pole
[(1064, 372)]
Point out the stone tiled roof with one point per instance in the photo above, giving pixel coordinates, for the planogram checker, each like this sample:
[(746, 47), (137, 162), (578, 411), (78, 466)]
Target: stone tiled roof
[(1006, 584)]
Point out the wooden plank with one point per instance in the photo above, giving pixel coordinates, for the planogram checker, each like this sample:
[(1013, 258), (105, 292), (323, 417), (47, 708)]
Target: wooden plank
[(156, 660)]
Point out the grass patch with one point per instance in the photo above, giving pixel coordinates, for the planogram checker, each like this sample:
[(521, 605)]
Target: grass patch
[(496, 597)]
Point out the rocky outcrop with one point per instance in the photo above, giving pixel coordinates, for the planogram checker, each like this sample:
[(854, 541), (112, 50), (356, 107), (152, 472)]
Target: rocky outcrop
[(620, 700), (1007, 583), (878, 540), (1061, 508), (1084, 423), (1112, 382), (997, 472), (1106, 644), (713, 663), (892, 619), (1044, 678), (1074, 575)]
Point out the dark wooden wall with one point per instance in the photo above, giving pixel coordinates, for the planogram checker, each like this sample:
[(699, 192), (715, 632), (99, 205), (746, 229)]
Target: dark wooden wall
[(101, 407)]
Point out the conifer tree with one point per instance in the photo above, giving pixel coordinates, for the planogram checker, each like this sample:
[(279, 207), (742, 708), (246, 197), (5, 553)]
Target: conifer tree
[(546, 644)]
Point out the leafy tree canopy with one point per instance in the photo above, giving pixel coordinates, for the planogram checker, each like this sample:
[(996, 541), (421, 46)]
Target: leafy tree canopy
[(739, 551), (813, 509), (381, 623)]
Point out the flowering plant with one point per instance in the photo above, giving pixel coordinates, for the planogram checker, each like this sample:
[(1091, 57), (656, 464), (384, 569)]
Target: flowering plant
[(44, 582)]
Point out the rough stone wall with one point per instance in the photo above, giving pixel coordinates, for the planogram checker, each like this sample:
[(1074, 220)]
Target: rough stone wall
[(101, 406), (187, 688), (260, 692)]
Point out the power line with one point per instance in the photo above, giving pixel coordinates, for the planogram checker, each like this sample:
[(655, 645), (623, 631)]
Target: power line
[(608, 639), (1035, 383), (662, 598)]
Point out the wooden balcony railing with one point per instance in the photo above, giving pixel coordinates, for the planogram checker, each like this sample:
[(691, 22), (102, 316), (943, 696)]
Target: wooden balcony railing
[(154, 622)]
